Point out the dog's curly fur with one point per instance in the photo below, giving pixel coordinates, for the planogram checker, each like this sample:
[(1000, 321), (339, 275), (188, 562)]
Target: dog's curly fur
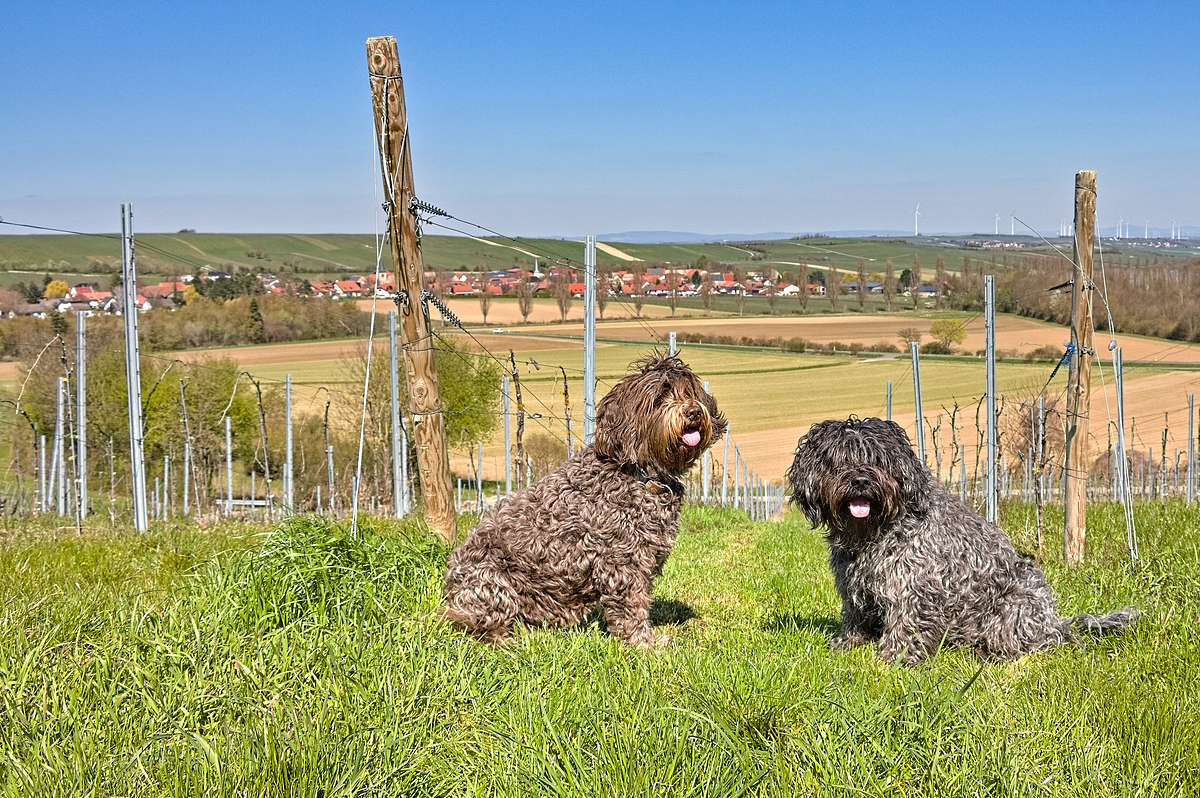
[(920, 569), (599, 527)]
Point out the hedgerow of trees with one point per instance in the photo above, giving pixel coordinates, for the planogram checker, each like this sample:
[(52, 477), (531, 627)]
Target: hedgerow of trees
[(215, 387)]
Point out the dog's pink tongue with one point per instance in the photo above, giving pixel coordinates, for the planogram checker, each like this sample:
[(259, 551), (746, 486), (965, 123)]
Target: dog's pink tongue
[(860, 508), (692, 437)]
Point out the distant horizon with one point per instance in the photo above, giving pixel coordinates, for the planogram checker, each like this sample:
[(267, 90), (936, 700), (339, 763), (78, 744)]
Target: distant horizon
[(10, 227)]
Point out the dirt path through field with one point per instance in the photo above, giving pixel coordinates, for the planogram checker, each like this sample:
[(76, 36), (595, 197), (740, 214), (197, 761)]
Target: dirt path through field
[(1014, 334), (278, 354), (616, 253)]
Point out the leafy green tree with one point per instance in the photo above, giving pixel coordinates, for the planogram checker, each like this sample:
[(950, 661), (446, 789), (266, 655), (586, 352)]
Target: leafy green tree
[(948, 332), (32, 292), (254, 331)]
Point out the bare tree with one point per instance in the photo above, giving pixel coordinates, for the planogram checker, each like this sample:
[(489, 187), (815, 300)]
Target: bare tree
[(524, 296), (739, 278), (862, 284), (771, 289), (545, 453), (833, 285), (485, 294), (802, 286), (939, 278), (602, 292), (439, 288), (889, 284), (914, 284), (639, 294), (707, 289), (560, 289), (672, 291), (910, 336)]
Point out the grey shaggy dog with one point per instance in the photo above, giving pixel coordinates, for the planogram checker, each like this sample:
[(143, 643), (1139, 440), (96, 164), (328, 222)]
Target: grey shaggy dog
[(596, 530), (914, 566)]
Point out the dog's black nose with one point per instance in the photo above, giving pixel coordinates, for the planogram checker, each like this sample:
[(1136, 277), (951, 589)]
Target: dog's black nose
[(860, 483)]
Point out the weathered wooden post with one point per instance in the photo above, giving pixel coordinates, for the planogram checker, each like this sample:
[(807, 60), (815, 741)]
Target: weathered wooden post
[(1080, 382), (420, 370)]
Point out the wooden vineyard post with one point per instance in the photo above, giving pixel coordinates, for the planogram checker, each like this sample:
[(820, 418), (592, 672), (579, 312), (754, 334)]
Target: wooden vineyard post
[(1080, 382), (420, 370)]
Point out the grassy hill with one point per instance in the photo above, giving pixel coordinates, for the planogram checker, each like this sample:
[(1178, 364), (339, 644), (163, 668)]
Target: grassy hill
[(227, 662), (161, 254)]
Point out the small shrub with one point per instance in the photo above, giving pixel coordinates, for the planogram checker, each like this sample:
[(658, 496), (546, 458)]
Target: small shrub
[(1045, 352), (795, 345), (545, 452)]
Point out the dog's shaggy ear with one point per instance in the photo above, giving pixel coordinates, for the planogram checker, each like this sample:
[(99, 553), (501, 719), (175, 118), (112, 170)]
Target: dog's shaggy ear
[(897, 453), (624, 412), (803, 474), (645, 417)]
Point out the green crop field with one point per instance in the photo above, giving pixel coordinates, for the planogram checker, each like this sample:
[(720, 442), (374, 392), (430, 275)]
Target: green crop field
[(769, 396), (237, 661), (162, 255)]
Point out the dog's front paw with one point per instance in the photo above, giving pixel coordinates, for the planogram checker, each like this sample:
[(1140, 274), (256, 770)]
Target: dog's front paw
[(651, 642), (848, 640), (906, 652)]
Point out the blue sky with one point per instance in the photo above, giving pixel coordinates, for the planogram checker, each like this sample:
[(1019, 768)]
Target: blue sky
[(570, 118)]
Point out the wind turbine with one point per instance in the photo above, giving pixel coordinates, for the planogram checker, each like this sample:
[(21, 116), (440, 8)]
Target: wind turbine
[(1147, 233), (1013, 224), (997, 224), (917, 220), (1120, 226)]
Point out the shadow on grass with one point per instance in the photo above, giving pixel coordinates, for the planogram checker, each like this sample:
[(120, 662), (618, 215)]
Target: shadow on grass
[(669, 612), (801, 623), (663, 612)]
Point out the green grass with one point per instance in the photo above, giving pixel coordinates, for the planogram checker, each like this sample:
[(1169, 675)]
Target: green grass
[(301, 662)]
